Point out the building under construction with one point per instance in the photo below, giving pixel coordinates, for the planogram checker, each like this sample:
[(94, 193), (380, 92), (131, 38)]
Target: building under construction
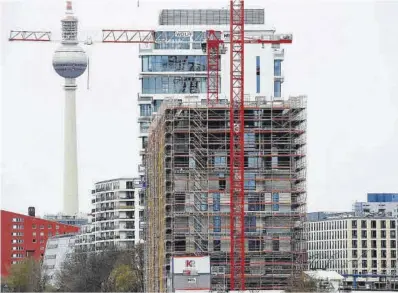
[(188, 200)]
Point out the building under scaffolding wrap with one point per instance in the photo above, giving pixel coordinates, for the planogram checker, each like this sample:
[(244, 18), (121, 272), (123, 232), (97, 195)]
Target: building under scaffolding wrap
[(188, 201)]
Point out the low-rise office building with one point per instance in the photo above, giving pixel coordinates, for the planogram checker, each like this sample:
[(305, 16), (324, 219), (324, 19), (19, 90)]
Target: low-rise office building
[(353, 246)]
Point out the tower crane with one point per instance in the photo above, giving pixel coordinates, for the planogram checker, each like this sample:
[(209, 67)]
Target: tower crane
[(214, 47)]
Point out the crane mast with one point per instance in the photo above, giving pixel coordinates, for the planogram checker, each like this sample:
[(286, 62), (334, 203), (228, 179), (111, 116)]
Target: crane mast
[(237, 145)]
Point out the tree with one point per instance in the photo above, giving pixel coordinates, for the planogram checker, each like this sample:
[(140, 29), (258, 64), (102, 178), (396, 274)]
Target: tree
[(26, 276), (112, 269)]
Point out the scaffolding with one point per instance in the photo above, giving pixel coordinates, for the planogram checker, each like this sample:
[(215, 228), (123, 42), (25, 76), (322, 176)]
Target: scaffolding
[(188, 201)]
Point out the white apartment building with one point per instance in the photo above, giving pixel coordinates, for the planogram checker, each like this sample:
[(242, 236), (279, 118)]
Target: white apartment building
[(57, 249), (117, 209), (353, 245), (178, 69)]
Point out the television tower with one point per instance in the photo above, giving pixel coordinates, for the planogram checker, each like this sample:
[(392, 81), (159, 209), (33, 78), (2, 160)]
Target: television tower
[(70, 62)]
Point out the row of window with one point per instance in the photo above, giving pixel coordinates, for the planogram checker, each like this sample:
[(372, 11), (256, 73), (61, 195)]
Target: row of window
[(373, 243), (337, 225), (177, 63), (17, 220), (174, 85), (373, 253), (364, 233)]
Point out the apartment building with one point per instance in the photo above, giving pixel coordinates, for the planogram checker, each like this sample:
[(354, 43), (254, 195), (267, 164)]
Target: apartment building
[(117, 209), (26, 236), (57, 250)]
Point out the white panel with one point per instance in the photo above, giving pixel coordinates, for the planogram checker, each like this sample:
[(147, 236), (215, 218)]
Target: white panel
[(285, 197), (199, 263)]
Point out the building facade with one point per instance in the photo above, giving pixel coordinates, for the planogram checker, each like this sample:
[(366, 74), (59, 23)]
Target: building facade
[(26, 236), (185, 157), (354, 246), (57, 250), (117, 207), (378, 204)]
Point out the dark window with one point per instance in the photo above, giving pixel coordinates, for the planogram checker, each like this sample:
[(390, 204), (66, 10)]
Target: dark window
[(354, 253), (364, 244), (363, 224), (383, 253), (374, 234), (383, 224), (364, 264), (364, 234), (383, 234), (374, 253), (254, 245), (354, 233), (374, 244), (275, 245), (393, 254), (392, 224), (217, 245), (374, 263), (373, 224), (392, 233), (354, 223), (393, 244), (354, 244), (364, 253)]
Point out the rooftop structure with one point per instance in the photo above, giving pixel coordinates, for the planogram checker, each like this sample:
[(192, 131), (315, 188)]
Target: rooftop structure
[(188, 201)]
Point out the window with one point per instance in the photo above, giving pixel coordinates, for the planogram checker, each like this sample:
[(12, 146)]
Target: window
[(277, 89), (145, 110), (383, 234), (34, 240), (383, 224), (257, 74), (41, 233), (363, 224), (364, 264), (217, 245), (216, 202), (364, 234), (392, 233), (250, 224), (354, 244), (254, 245), (41, 226), (373, 233), (277, 67), (374, 253), (393, 244), (392, 224), (275, 207), (354, 233), (373, 224), (354, 253), (57, 227), (393, 254), (34, 226), (217, 224), (49, 226), (374, 263), (364, 244), (354, 224), (41, 240)]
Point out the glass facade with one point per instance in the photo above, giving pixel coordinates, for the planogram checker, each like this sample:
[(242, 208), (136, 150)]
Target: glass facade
[(277, 89), (174, 85), (277, 67), (206, 16), (174, 63), (174, 41)]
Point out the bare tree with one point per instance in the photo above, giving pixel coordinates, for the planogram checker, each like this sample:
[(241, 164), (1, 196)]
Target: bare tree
[(103, 271)]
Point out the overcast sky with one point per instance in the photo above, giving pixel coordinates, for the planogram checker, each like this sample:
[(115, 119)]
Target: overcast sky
[(344, 57)]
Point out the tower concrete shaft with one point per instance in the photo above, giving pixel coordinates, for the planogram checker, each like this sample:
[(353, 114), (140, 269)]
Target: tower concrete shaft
[(70, 198)]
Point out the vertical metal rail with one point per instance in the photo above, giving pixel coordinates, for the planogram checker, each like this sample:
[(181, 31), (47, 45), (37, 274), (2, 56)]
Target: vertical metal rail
[(237, 148)]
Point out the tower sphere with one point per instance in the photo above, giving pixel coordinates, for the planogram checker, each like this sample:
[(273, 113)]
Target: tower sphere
[(70, 61)]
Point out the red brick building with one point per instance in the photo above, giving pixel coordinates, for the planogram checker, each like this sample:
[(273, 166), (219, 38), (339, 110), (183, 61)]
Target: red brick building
[(24, 236)]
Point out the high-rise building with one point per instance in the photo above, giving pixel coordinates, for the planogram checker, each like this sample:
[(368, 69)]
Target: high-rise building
[(117, 210), (363, 249), (26, 236), (186, 161)]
